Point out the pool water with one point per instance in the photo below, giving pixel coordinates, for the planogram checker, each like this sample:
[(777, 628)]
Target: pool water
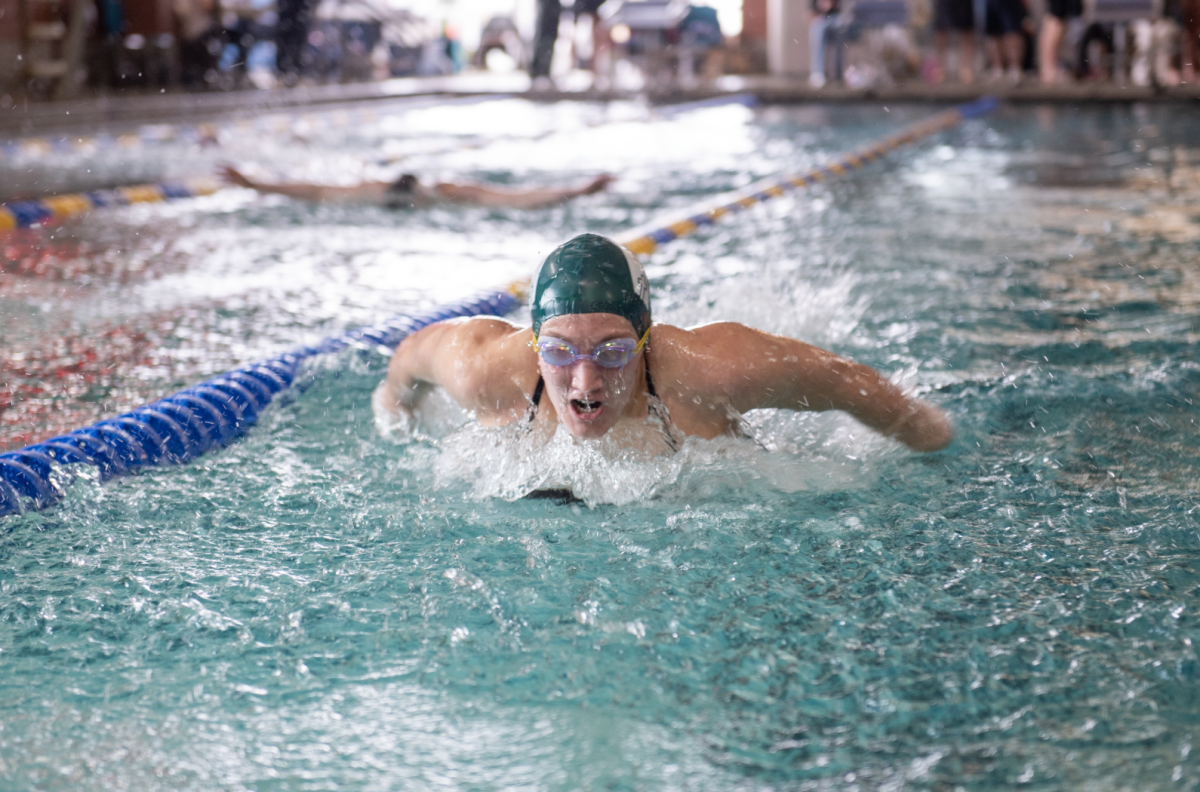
[(324, 607)]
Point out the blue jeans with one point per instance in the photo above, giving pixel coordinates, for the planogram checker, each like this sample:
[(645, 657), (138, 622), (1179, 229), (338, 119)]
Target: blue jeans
[(820, 29)]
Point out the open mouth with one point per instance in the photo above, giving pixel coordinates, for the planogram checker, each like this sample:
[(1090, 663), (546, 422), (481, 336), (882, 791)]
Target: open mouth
[(586, 409)]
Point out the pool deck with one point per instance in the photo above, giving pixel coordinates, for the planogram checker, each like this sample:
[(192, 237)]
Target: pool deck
[(48, 118)]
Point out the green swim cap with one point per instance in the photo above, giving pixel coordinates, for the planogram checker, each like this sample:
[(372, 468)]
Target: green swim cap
[(591, 274)]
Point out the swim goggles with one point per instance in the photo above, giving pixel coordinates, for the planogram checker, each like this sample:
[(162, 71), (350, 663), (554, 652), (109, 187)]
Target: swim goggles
[(613, 354)]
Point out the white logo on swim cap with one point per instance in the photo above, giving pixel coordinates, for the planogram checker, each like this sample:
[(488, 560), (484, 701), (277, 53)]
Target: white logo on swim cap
[(637, 276)]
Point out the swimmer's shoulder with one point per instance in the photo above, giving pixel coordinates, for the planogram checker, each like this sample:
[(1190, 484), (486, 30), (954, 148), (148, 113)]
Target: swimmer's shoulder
[(495, 367), (709, 361), (680, 350), (692, 370), (483, 338), (680, 358), (483, 326)]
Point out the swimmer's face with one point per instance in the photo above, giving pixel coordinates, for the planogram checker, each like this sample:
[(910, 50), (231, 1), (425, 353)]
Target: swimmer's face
[(590, 399)]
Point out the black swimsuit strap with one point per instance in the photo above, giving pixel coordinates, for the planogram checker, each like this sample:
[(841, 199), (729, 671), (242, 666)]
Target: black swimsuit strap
[(658, 409), (649, 379), (537, 392)]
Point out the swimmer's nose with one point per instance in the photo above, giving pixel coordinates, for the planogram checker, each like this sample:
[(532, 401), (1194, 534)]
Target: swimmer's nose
[(587, 379)]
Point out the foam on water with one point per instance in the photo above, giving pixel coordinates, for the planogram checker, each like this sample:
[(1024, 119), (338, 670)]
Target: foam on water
[(511, 463)]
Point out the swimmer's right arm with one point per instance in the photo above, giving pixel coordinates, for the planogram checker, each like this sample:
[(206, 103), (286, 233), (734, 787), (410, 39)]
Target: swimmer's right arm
[(479, 361), (370, 191)]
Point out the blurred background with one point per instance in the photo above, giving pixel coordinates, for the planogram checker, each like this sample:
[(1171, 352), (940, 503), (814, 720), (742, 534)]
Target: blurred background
[(59, 49)]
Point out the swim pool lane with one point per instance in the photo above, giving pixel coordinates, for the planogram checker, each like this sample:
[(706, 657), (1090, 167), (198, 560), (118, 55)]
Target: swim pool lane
[(320, 607)]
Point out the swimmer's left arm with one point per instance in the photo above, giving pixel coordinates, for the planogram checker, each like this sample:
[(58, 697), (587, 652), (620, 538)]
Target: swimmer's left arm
[(752, 369), (533, 198)]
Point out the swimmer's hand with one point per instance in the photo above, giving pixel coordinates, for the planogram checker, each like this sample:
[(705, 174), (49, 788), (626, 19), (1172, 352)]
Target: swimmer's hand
[(392, 415), (598, 184), (923, 428), (232, 175)]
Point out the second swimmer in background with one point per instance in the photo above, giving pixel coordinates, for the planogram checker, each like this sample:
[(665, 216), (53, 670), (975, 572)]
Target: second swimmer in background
[(409, 192)]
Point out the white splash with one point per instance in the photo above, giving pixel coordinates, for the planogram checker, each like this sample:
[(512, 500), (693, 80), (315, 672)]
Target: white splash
[(782, 452), (511, 462)]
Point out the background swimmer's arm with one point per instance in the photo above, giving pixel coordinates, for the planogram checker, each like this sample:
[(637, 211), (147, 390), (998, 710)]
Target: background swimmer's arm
[(373, 192), (484, 195), (479, 361), (754, 369)]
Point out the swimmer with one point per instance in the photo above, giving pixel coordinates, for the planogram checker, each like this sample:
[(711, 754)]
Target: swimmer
[(595, 364), (408, 191)]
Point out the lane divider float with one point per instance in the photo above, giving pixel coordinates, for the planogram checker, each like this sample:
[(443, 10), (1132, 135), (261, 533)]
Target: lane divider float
[(26, 214)]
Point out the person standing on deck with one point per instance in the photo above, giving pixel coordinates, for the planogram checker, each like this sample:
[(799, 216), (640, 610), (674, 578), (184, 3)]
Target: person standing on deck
[(1054, 26), (821, 25), (951, 16), (1004, 38), (595, 364), (1189, 42), (291, 37), (544, 37)]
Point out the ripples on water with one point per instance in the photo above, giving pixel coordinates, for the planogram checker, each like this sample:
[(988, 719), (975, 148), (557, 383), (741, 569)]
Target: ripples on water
[(320, 607)]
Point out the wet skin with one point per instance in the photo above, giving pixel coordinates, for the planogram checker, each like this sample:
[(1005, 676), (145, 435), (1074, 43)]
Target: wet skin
[(590, 399), (707, 378)]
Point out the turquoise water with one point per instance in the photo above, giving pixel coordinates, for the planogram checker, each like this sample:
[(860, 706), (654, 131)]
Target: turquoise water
[(320, 607)]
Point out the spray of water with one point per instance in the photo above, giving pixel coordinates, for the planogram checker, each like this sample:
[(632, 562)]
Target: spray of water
[(784, 451)]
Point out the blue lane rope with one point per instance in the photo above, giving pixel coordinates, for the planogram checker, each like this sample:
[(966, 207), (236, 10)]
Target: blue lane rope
[(180, 427), (26, 214)]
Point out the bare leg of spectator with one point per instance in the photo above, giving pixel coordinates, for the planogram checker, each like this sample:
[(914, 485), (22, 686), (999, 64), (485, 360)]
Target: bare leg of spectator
[(1014, 52), (1049, 40), (995, 61), (957, 16), (966, 57), (1189, 40), (942, 41), (1165, 36)]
